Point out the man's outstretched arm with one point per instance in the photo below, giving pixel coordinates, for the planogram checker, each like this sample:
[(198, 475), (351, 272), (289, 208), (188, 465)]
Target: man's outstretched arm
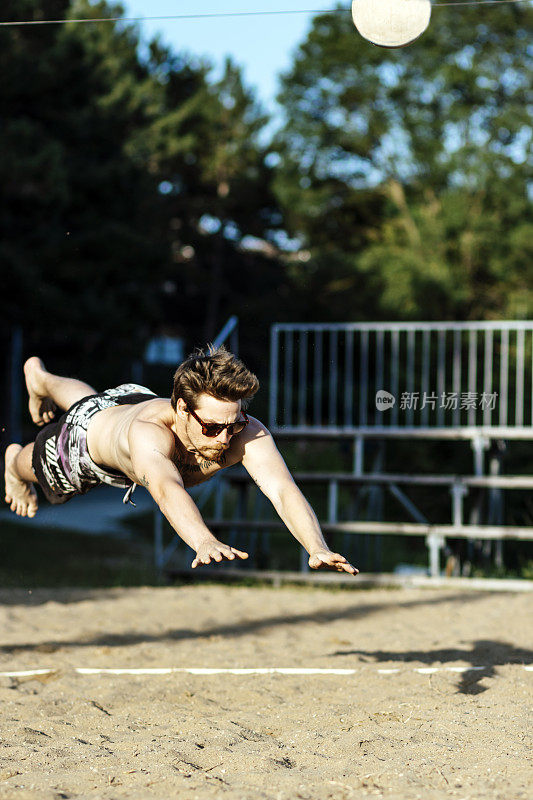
[(262, 459), (151, 448)]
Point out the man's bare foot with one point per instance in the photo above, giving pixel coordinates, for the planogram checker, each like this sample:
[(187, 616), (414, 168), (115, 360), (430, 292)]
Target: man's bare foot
[(20, 494), (42, 408)]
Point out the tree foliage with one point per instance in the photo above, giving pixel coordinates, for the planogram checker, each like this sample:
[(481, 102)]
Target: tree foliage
[(129, 183), (405, 172)]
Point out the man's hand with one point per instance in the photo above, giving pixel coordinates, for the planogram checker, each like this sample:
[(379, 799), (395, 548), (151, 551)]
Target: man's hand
[(216, 551), (325, 559)]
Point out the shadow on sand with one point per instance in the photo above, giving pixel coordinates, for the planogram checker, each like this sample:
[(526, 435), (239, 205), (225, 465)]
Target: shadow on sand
[(483, 654), (350, 612)]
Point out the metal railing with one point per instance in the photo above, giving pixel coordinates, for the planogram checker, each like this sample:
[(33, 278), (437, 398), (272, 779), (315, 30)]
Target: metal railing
[(442, 380), (468, 381), (433, 380), (335, 521)]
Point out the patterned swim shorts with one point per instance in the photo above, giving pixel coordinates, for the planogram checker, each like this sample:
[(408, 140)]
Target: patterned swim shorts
[(61, 459)]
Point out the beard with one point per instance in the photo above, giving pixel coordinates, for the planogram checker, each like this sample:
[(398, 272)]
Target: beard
[(213, 453)]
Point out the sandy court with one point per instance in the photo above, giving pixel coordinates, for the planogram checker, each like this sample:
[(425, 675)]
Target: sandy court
[(388, 730)]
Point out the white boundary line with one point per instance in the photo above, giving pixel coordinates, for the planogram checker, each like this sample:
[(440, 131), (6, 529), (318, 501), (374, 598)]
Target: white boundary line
[(26, 673), (220, 671), (246, 671)]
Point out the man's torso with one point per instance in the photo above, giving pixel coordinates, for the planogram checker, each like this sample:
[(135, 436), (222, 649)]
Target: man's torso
[(108, 441)]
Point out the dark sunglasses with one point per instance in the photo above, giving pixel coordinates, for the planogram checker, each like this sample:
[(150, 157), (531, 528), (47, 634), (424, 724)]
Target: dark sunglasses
[(212, 429)]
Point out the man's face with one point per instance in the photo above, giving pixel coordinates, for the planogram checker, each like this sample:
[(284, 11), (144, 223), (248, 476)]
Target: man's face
[(210, 409)]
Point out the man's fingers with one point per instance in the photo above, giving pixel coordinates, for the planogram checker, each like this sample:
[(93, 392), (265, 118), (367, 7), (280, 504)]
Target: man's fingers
[(218, 554), (332, 561), (337, 557), (200, 560), (348, 568), (339, 563), (240, 553), (234, 552)]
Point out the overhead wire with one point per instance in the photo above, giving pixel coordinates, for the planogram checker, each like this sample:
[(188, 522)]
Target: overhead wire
[(221, 14)]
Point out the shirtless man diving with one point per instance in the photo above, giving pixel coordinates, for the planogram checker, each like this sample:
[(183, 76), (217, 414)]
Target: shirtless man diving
[(128, 436)]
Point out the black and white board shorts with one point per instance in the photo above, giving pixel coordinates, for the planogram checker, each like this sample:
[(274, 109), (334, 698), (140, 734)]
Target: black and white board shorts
[(61, 460)]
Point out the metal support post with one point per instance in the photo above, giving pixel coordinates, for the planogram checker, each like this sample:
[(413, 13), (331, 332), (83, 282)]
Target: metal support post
[(333, 501), (375, 504), (304, 560), (458, 491), (495, 512), (358, 455), (273, 383), (479, 445), (358, 469), (434, 543)]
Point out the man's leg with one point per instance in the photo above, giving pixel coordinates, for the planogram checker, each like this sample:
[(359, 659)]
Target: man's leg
[(19, 477), (46, 391)]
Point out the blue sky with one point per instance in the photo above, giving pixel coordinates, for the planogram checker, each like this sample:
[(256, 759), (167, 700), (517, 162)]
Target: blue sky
[(263, 46)]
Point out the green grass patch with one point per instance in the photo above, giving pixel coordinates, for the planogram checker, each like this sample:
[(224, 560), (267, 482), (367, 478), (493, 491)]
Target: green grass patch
[(32, 557)]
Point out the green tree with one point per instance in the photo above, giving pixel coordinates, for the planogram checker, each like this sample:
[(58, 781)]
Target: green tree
[(76, 238), (129, 184), (211, 164), (405, 173)]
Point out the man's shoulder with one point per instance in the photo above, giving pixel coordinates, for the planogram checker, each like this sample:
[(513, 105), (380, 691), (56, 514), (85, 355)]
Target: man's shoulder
[(254, 431), (152, 423), (156, 410), (255, 428)]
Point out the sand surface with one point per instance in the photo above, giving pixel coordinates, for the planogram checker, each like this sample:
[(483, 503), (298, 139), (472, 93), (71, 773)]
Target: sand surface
[(399, 734)]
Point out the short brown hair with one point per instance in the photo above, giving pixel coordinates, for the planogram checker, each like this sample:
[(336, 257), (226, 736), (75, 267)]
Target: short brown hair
[(214, 371)]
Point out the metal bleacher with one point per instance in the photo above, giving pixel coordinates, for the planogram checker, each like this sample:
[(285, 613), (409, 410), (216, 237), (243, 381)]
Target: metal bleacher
[(390, 381)]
